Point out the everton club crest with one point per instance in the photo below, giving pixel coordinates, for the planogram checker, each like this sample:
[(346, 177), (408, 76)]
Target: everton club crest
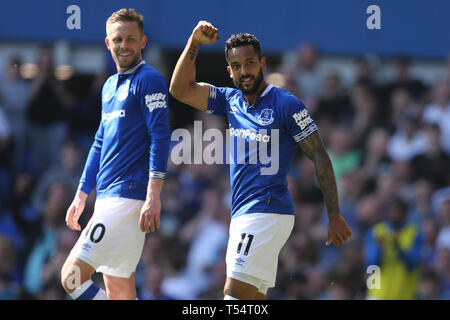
[(266, 117)]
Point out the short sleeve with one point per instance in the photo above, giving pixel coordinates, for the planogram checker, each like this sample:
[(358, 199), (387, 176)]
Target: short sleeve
[(298, 122), (217, 101)]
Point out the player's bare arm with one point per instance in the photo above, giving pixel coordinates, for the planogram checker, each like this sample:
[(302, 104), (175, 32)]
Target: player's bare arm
[(151, 210), (183, 85), (313, 148)]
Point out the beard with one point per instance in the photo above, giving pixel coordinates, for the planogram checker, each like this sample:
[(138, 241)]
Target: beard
[(252, 90), (131, 61)]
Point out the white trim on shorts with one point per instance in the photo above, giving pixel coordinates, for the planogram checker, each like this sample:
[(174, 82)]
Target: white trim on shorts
[(254, 244), (258, 283)]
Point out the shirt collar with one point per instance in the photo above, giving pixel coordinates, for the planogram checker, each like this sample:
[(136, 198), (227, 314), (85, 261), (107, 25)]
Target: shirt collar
[(129, 71), (269, 86), (265, 92)]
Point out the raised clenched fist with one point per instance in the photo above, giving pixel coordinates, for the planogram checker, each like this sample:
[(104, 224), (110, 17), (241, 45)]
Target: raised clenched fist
[(205, 33)]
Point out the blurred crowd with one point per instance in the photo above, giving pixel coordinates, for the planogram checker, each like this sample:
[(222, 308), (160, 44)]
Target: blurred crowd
[(389, 142)]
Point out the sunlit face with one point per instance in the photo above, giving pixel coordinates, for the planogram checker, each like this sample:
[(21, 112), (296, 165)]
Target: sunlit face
[(246, 69), (125, 41)]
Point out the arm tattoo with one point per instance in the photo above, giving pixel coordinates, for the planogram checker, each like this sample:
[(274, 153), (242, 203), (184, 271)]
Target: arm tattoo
[(193, 50), (314, 149)]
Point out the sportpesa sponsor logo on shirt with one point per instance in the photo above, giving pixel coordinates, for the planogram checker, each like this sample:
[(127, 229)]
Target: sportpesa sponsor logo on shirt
[(155, 101), (252, 135), (113, 115), (302, 119)]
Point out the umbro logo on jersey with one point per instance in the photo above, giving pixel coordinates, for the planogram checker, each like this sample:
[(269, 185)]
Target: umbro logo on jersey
[(233, 109), (106, 97), (240, 261)]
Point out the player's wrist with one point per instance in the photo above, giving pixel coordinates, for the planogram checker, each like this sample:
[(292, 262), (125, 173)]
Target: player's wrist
[(154, 194), (154, 189), (81, 195), (194, 41)]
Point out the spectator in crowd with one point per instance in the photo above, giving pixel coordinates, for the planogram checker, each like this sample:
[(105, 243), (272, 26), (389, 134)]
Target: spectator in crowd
[(9, 290), (6, 159), (402, 78), (350, 267), (375, 157), (303, 184), (420, 205), (151, 288), (343, 155), (429, 288), (315, 284), (394, 246), (364, 72), (68, 169), (174, 206), (369, 209), (442, 266), (85, 114), (350, 191), (430, 230), (14, 95), (339, 288), (434, 163), (25, 216), (408, 140), (308, 74), (401, 103), (333, 105), (9, 228), (50, 272), (53, 214), (207, 235), (440, 196), (49, 105), (443, 213), (438, 111), (366, 111)]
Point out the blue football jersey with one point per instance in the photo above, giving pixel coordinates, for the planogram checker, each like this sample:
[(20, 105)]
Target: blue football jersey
[(133, 138), (262, 140)]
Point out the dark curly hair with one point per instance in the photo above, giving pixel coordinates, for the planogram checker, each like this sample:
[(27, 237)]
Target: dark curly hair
[(243, 39)]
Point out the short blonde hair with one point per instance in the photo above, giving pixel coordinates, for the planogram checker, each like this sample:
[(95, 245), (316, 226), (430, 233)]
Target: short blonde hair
[(127, 15)]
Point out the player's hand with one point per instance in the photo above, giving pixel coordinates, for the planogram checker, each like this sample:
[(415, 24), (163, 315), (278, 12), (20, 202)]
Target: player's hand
[(338, 230), (150, 212), (205, 33), (75, 210)]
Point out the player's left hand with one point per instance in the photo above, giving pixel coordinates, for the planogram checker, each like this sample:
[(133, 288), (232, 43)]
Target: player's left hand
[(338, 230), (150, 212)]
